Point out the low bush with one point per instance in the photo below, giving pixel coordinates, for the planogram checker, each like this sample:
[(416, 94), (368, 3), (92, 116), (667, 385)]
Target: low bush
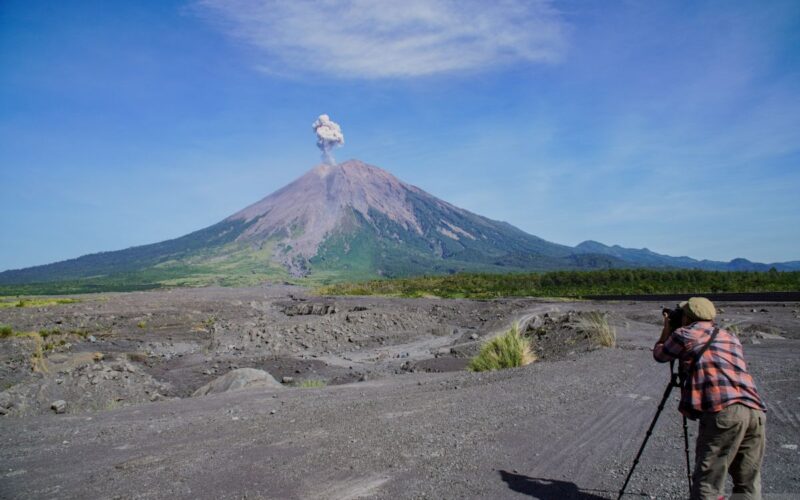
[(6, 331), (506, 351), (137, 357), (734, 329)]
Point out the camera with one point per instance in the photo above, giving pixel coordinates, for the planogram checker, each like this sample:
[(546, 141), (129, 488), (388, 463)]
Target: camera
[(675, 317)]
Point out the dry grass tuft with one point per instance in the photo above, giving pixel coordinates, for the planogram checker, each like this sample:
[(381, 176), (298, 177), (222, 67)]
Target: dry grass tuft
[(595, 324), (506, 351)]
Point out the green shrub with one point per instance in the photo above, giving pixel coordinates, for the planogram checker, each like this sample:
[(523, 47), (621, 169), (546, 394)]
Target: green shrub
[(6, 331), (505, 351), (596, 326), (311, 383), (44, 333), (142, 325)]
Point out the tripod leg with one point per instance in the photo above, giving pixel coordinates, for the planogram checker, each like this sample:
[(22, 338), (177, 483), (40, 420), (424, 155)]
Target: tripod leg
[(686, 449), (661, 405)]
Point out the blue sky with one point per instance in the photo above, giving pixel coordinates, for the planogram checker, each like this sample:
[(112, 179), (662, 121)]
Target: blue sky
[(668, 125)]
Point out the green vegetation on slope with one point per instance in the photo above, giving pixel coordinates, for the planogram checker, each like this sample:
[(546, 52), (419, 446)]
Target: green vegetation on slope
[(574, 284), (233, 264), (131, 260)]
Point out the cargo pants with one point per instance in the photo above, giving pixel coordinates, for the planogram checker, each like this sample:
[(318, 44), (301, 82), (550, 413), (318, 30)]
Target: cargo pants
[(730, 441)]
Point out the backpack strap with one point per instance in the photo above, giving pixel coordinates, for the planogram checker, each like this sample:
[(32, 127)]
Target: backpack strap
[(686, 380), (705, 347)]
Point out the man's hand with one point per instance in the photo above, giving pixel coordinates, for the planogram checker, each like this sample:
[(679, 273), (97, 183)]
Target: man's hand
[(665, 332), (658, 349)]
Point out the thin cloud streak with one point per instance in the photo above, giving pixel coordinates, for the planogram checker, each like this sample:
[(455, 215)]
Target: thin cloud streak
[(373, 40)]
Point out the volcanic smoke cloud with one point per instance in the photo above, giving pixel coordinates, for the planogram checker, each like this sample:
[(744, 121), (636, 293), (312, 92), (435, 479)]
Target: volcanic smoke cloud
[(329, 136)]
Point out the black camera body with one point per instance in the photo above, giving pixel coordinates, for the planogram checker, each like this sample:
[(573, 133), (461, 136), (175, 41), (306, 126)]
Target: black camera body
[(675, 317)]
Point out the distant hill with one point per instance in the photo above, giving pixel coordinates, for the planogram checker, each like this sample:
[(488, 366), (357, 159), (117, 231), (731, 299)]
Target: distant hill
[(347, 221), (646, 258)]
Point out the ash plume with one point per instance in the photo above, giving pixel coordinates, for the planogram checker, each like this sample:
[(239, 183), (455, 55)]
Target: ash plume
[(329, 136)]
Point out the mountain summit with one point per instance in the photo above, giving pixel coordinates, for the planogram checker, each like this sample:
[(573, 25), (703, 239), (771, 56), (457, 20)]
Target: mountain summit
[(306, 212), (355, 216), (346, 221)]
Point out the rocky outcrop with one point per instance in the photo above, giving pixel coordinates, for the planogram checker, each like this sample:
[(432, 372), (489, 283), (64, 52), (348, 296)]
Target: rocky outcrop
[(81, 383), (308, 309)]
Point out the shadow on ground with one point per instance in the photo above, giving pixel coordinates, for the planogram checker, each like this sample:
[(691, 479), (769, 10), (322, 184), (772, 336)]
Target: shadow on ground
[(546, 489)]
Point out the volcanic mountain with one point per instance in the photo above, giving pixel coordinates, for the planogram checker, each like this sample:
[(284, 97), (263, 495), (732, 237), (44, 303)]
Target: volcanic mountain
[(346, 221)]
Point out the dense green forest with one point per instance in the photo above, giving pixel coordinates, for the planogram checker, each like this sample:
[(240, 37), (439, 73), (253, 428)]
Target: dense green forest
[(551, 284), (575, 284)]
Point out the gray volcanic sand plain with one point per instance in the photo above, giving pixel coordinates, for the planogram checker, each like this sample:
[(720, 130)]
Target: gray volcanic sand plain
[(398, 415)]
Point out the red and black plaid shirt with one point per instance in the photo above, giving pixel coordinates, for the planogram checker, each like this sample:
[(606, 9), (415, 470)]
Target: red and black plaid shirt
[(719, 377)]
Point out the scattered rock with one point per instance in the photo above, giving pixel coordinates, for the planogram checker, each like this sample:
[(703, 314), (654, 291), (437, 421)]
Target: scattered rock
[(59, 406), (769, 336)]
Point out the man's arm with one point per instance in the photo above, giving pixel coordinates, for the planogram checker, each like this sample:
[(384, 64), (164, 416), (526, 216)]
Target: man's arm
[(669, 346)]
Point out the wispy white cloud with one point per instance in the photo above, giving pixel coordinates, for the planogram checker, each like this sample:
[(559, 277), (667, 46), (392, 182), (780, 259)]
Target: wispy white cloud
[(384, 39)]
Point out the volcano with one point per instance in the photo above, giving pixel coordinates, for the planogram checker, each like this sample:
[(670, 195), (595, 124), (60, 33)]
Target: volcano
[(358, 217), (345, 221)]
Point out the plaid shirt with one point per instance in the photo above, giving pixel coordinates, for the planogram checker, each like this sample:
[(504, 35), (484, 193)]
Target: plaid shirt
[(720, 377)]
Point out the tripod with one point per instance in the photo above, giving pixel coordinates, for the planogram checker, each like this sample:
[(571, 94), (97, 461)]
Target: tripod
[(674, 381)]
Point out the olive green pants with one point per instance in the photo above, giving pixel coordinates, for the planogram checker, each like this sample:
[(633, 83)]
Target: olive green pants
[(730, 441)]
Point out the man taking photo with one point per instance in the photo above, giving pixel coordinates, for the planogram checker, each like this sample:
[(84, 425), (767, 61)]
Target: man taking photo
[(718, 391)]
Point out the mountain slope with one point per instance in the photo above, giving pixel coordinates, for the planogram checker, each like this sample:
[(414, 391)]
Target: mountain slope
[(347, 221)]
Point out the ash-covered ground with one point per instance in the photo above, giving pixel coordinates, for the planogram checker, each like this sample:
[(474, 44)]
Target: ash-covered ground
[(392, 412)]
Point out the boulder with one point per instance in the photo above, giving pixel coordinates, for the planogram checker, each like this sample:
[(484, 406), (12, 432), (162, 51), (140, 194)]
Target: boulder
[(239, 379), (59, 406)]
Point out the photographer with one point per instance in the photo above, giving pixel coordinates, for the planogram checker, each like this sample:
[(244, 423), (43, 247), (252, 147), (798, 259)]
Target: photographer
[(718, 391)]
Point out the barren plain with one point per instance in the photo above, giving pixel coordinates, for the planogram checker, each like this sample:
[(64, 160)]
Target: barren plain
[(374, 400)]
